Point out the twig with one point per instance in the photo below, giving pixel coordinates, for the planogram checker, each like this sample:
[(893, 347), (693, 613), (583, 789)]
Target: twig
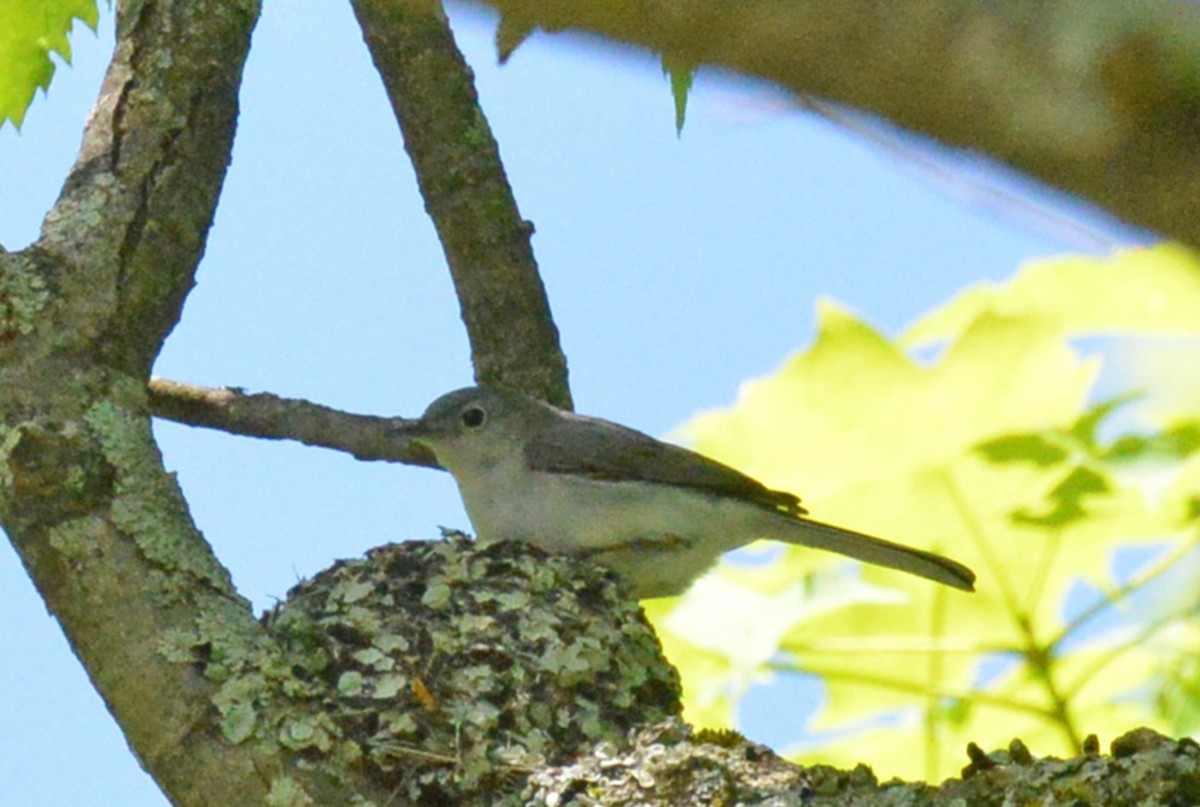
[(270, 417)]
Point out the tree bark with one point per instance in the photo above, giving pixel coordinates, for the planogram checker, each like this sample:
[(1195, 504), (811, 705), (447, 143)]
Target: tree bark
[(270, 417), (1100, 100), (514, 342), (198, 685), (102, 529)]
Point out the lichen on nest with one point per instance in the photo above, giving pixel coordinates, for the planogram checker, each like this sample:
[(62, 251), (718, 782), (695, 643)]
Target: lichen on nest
[(451, 668)]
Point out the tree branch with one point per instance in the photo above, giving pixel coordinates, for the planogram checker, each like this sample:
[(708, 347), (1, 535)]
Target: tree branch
[(1100, 100), (273, 418), (131, 222), (102, 529), (514, 341)]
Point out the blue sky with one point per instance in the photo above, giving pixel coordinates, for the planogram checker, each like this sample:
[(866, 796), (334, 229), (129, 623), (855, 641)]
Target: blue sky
[(676, 269)]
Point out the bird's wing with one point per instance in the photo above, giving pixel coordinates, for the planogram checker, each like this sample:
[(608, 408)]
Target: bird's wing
[(608, 451)]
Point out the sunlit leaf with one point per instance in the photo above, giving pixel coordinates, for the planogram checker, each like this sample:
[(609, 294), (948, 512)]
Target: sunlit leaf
[(512, 30), (31, 31), (681, 73), (853, 407), (990, 454), (1039, 449), (1177, 683), (1169, 369), (1154, 290), (708, 698)]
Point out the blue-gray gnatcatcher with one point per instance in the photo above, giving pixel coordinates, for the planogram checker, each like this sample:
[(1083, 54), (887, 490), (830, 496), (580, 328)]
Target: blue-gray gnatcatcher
[(656, 514)]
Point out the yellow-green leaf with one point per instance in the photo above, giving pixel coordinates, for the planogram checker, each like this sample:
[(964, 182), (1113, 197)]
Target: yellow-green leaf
[(991, 455), (1154, 290), (31, 31)]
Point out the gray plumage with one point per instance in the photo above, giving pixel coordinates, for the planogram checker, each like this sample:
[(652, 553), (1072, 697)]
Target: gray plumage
[(616, 453), (657, 514)]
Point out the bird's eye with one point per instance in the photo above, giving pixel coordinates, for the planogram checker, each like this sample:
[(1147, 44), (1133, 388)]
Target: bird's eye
[(473, 417)]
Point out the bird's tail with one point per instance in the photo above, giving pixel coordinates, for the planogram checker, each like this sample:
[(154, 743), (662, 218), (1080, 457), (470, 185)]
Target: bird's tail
[(805, 532)]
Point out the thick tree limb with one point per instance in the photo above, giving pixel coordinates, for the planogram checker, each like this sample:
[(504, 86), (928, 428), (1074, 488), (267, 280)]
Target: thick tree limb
[(102, 529), (1099, 99), (131, 222), (273, 418), (514, 341)]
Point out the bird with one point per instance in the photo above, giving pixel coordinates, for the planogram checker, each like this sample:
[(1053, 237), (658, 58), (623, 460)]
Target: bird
[(657, 514)]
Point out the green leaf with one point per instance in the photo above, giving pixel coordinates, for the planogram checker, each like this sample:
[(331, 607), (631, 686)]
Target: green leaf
[(513, 29), (708, 698), (681, 73), (991, 455), (1040, 449), (1153, 290), (1177, 441), (853, 408), (32, 30), (1168, 368), (1066, 500), (1177, 684)]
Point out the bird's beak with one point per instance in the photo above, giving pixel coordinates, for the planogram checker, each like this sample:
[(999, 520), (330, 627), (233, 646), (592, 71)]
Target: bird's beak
[(413, 432), (409, 429)]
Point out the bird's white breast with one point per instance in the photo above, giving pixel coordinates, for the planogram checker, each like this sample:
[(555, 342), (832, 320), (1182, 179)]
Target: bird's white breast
[(656, 536)]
